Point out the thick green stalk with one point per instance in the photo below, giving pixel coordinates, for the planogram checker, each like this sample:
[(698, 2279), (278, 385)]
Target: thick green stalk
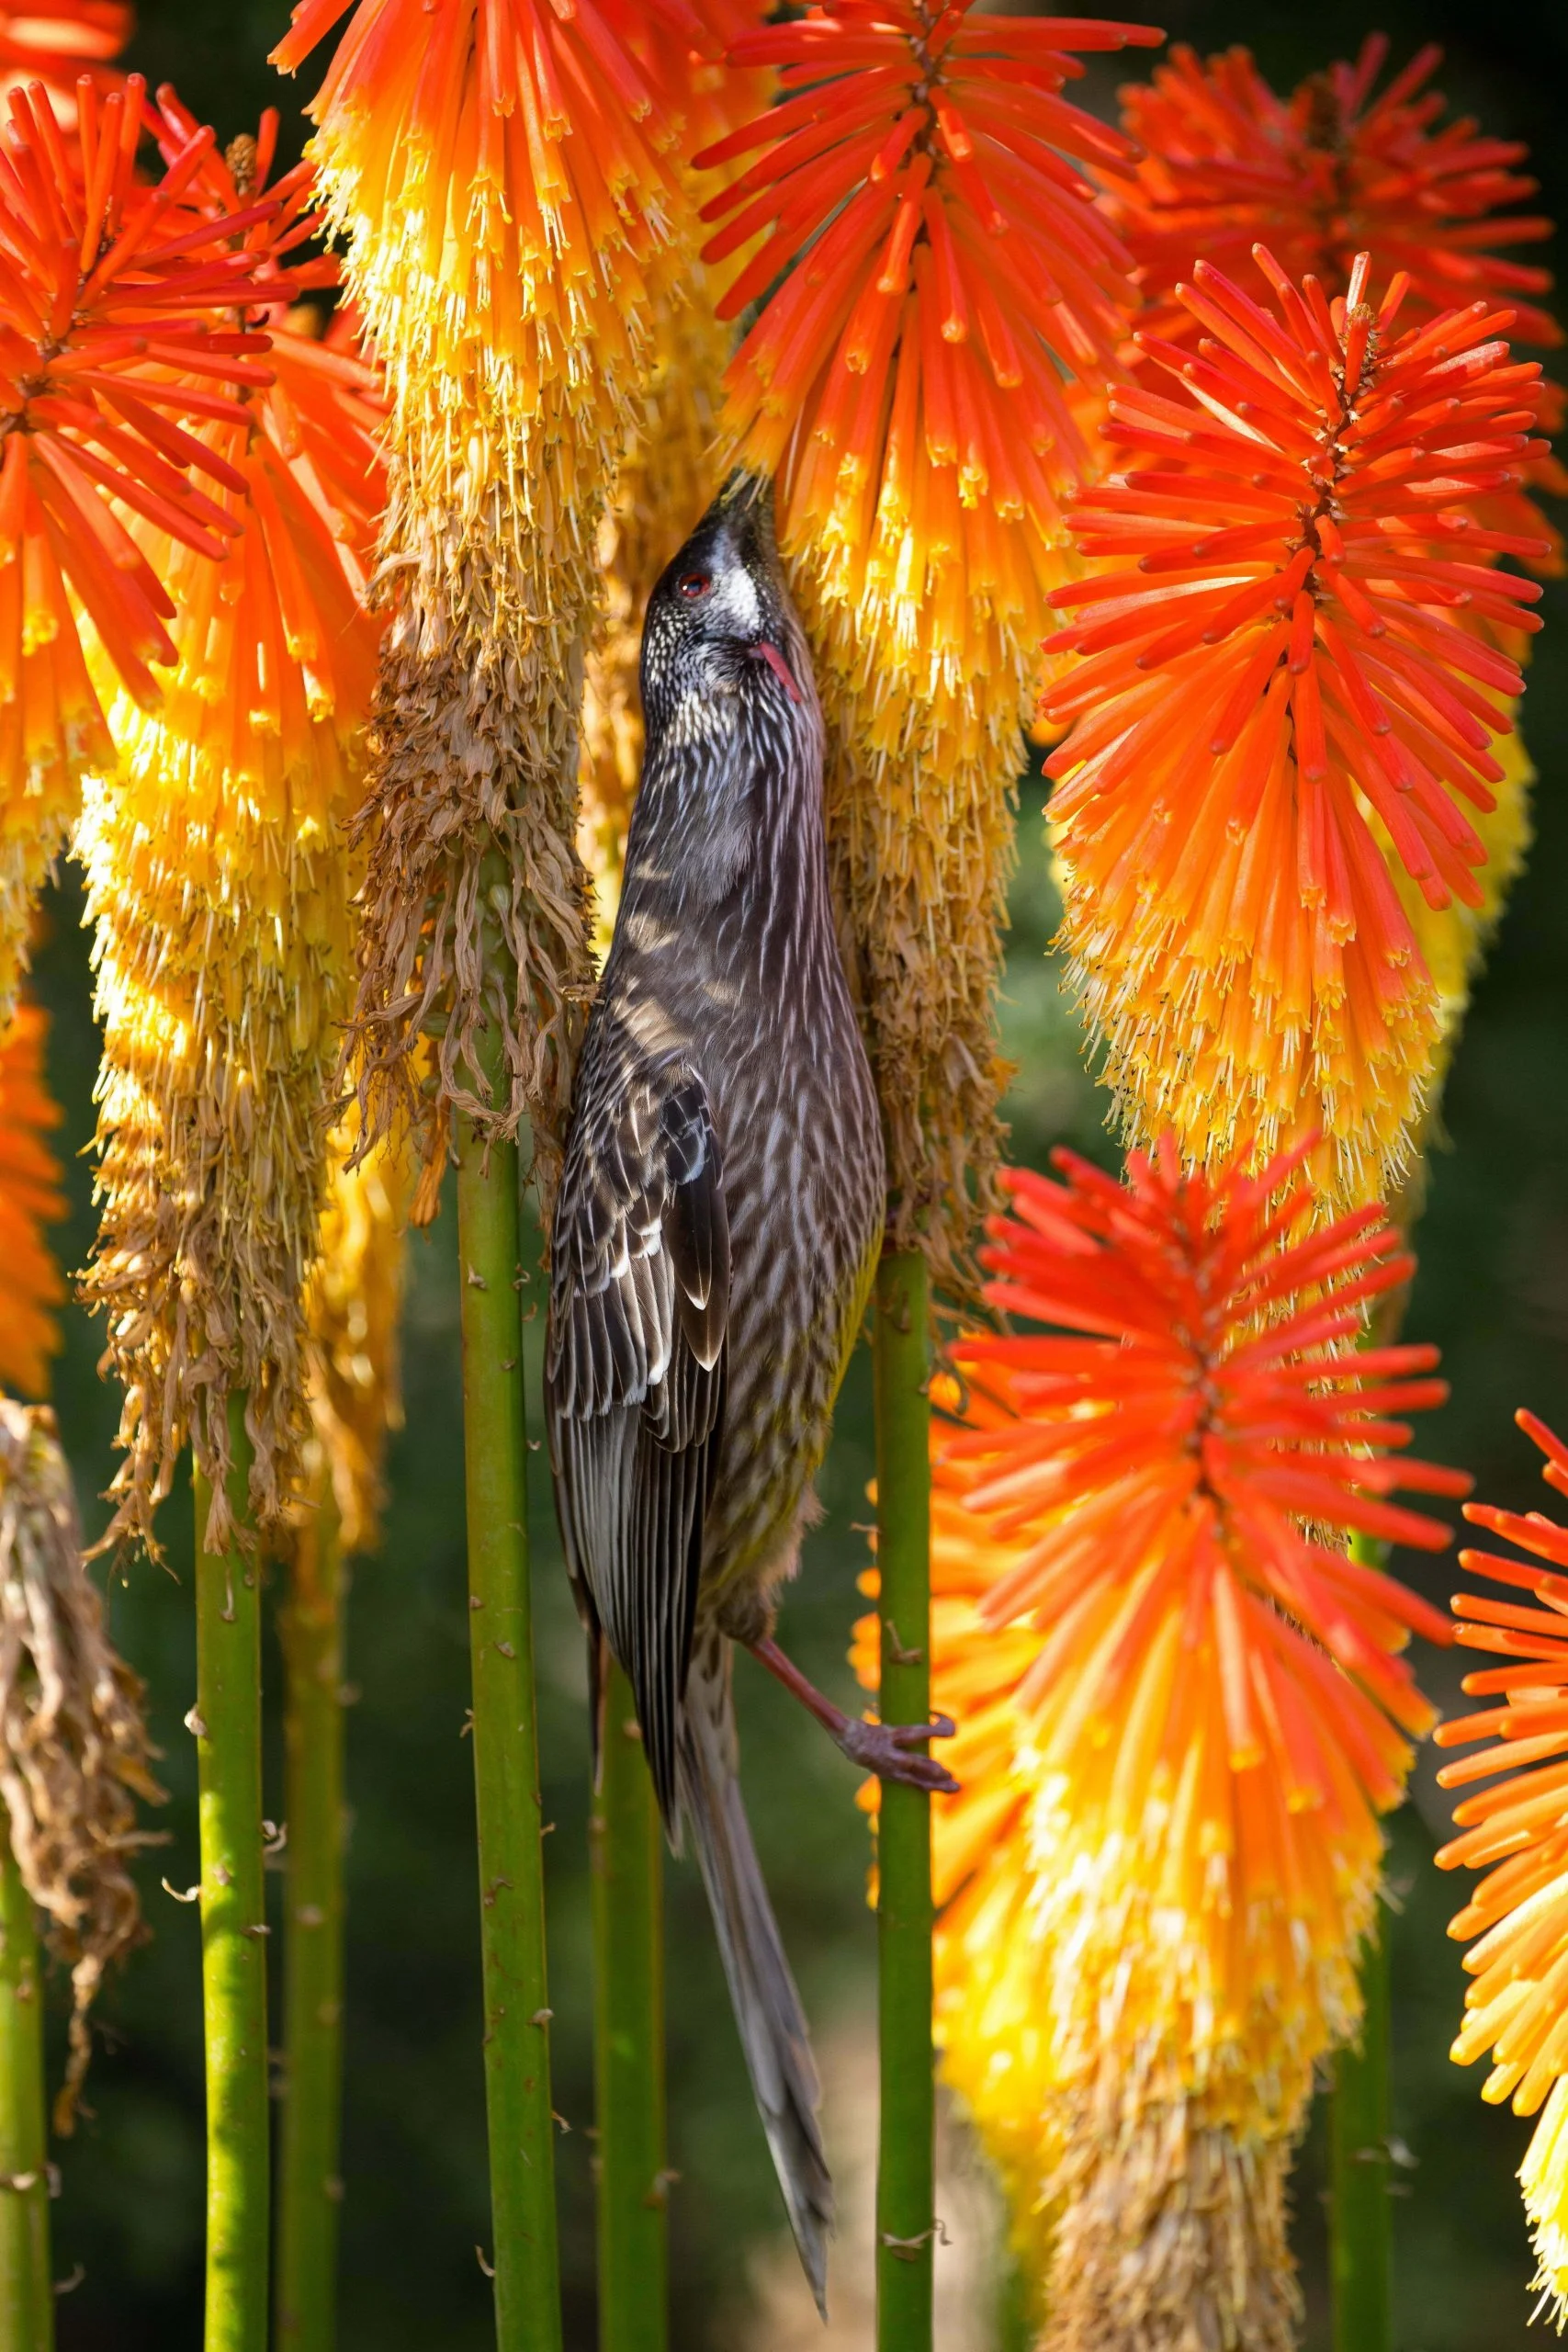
[(1015, 2328), (308, 2189), (627, 1857), (906, 2168), (27, 2291), (506, 1752), (1360, 2233), (227, 1723)]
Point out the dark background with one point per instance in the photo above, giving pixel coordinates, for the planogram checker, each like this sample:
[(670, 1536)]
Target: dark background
[(1493, 1290)]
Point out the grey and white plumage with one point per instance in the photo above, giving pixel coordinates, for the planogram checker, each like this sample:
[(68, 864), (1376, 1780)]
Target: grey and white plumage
[(714, 1237)]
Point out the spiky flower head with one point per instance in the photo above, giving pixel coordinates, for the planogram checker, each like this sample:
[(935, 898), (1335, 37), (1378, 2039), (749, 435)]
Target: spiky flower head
[(219, 883), (73, 1748), (504, 178), (117, 335), (1339, 165), (1203, 1710), (31, 1197), (910, 382), (1517, 1832), (1290, 687)]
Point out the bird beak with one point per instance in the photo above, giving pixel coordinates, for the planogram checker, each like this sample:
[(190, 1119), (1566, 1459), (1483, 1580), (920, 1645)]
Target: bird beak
[(761, 650)]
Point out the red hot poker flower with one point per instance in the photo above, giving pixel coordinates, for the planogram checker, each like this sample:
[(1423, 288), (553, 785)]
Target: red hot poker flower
[(1318, 177), (116, 335), (1517, 1832), (1289, 678), (1197, 1398), (911, 360)]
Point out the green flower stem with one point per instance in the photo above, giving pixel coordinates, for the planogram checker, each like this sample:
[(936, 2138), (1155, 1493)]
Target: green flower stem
[(628, 2038), (905, 2171), (27, 2291), (308, 2189), (506, 1735), (1360, 2218), (227, 1723)]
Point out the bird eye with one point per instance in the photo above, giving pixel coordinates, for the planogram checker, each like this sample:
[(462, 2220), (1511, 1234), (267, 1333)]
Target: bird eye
[(693, 584)]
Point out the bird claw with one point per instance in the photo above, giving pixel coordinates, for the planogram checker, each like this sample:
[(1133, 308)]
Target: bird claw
[(893, 1752)]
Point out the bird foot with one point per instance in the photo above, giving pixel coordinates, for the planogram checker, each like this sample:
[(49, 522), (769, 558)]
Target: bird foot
[(893, 1752)]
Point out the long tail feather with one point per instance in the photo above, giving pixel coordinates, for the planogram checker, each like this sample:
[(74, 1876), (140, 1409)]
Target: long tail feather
[(767, 2007)]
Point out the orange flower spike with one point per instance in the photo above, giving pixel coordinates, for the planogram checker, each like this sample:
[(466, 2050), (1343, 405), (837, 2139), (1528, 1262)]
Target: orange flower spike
[(32, 1195), (1277, 564), (920, 194), (221, 879), (1189, 1713), (1224, 160), (116, 335), (1516, 1832)]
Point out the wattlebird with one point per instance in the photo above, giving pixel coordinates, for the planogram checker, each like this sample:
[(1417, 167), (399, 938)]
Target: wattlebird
[(716, 1233)]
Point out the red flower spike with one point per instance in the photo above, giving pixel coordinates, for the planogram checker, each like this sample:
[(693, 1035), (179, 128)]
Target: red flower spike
[(957, 265), (1207, 1407), (1223, 162), (1336, 168), (1291, 676), (116, 304)]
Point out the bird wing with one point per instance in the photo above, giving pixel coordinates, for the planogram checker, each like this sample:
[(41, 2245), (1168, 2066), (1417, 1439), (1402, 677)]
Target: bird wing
[(635, 1374)]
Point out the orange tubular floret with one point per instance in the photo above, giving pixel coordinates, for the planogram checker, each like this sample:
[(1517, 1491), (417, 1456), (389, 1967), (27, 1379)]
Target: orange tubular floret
[(1516, 1831), (31, 1197), (1279, 543)]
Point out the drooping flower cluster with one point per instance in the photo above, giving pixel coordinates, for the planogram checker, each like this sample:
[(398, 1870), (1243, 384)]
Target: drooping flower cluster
[(219, 883), (1192, 1708), (353, 1308), (1517, 1832), (31, 1197), (74, 1747), (912, 379), (116, 336), (1292, 685), (504, 178)]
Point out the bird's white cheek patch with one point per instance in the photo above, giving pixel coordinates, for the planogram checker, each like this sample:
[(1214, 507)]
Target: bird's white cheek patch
[(736, 598)]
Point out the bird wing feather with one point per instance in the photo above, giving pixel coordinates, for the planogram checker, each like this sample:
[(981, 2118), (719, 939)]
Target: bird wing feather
[(635, 1374)]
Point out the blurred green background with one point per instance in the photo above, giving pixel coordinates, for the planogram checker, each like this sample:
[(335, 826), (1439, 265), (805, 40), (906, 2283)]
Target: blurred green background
[(1493, 1290)]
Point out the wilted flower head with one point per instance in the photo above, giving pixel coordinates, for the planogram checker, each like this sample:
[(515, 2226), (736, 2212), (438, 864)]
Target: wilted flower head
[(1517, 1833), (1189, 1707), (73, 1748), (1290, 685), (353, 1310), (31, 1197), (916, 379), (117, 335), (504, 178)]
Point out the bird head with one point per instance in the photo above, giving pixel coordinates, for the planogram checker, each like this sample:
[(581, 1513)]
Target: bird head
[(720, 626)]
